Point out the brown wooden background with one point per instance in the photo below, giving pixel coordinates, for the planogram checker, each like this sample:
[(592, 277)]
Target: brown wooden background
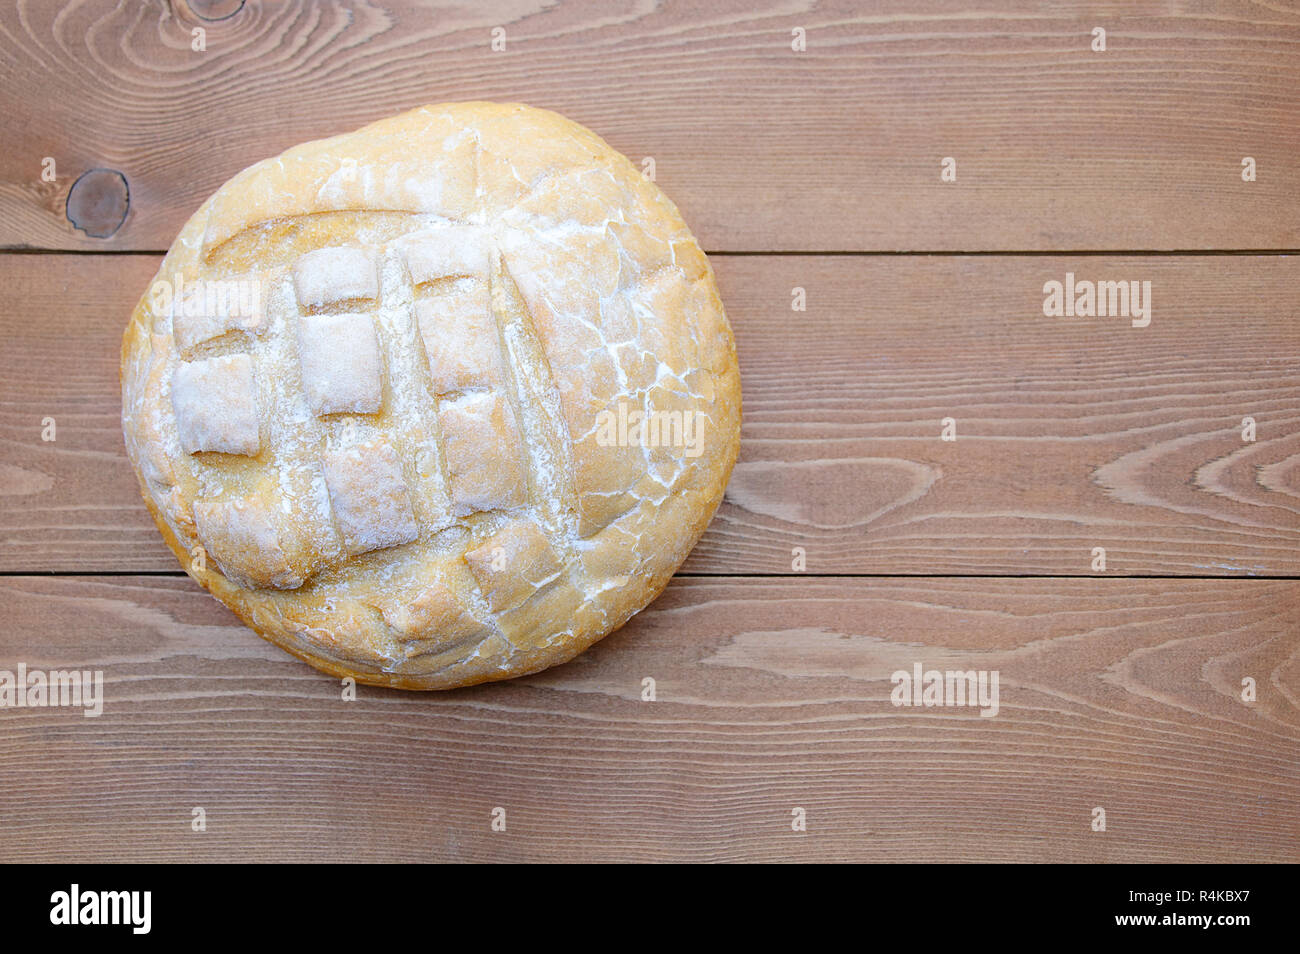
[(818, 170)]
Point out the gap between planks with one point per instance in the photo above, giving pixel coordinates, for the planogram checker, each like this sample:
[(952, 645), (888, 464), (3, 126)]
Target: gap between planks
[(795, 253), (178, 574)]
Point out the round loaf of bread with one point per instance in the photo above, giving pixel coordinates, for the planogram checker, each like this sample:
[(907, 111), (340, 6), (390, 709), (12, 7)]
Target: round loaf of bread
[(440, 401)]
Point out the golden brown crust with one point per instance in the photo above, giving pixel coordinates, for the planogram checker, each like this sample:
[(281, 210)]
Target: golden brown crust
[(530, 423)]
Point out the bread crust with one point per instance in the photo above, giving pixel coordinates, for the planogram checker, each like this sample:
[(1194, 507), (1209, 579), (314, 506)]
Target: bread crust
[(339, 535)]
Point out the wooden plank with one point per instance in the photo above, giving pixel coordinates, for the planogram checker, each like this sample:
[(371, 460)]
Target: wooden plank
[(1072, 433), (764, 148), (771, 694)]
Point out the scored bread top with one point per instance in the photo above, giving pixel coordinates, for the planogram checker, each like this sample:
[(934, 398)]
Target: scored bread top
[(442, 400)]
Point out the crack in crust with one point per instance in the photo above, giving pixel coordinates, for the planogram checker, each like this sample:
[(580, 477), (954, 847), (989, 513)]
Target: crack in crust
[(399, 463)]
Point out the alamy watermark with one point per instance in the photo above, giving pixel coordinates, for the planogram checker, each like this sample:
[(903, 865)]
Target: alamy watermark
[(1100, 299), (629, 426), (228, 297), (930, 687), (75, 906), (37, 688)]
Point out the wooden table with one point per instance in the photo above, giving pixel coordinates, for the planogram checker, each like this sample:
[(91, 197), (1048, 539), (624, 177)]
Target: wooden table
[(818, 169)]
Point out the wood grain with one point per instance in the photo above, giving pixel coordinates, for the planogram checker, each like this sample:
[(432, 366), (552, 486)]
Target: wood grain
[(771, 694), (1072, 433), (772, 686), (839, 147)]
